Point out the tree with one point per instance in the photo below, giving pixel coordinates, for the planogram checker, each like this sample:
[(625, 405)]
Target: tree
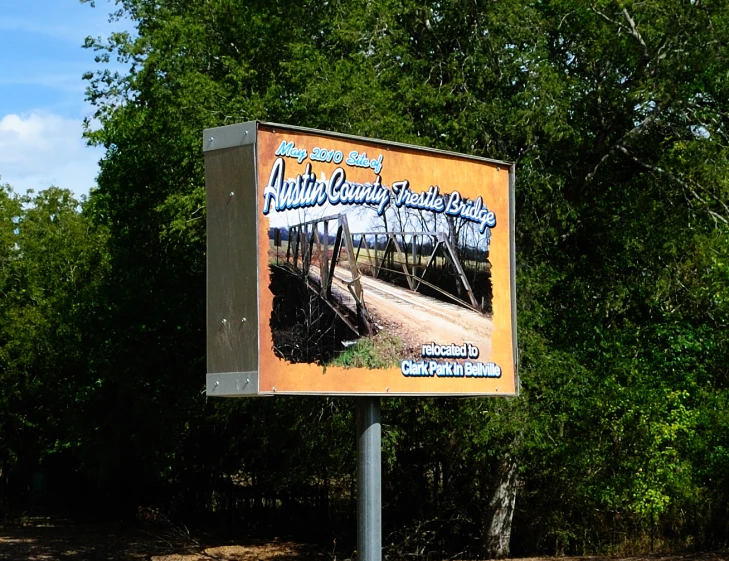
[(52, 256), (616, 115)]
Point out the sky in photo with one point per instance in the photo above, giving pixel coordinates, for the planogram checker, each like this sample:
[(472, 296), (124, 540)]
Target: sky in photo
[(42, 93)]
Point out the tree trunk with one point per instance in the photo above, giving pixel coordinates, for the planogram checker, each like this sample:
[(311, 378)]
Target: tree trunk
[(497, 525)]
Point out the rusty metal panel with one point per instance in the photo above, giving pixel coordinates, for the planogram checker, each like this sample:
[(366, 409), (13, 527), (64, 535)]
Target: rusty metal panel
[(512, 249), (232, 269), (354, 138)]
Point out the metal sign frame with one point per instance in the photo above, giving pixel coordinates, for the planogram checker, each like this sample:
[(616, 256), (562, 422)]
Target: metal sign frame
[(326, 250)]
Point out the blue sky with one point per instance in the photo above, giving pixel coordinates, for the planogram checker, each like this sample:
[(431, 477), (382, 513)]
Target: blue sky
[(42, 94)]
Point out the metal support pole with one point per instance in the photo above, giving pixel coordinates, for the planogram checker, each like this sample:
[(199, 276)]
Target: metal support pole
[(369, 479)]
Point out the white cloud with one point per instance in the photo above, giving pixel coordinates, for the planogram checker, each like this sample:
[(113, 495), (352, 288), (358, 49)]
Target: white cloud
[(41, 149)]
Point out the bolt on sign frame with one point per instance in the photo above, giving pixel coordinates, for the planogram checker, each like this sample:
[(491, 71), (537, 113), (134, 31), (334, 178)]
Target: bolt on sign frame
[(341, 265)]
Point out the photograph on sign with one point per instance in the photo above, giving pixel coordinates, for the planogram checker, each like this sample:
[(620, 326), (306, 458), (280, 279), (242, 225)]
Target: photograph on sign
[(383, 269)]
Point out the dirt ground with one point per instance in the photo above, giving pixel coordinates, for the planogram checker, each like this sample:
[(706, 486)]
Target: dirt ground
[(409, 315), (61, 540)]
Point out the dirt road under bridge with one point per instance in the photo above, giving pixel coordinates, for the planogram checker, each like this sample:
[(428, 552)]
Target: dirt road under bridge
[(420, 319)]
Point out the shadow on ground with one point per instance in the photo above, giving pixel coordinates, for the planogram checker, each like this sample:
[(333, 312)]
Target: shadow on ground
[(42, 539), (47, 539)]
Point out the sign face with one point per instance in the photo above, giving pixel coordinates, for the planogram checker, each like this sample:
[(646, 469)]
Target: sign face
[(339, 265)]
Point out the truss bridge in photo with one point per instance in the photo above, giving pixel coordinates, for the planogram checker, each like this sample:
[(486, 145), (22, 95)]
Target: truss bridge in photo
[(350, 271)]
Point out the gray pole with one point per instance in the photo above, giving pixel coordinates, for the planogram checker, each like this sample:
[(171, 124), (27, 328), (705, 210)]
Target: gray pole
[(369, 479)]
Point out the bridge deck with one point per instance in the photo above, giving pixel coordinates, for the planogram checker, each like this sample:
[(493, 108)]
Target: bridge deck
[(417, 318)]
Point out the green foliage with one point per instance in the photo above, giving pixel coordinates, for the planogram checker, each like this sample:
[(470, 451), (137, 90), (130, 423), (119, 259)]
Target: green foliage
[(52, 260), (383, 350), (616, 115)]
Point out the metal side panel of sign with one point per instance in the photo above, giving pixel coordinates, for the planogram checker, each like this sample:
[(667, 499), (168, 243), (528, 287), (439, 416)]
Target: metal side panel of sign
[(368, 267), (232, 275)]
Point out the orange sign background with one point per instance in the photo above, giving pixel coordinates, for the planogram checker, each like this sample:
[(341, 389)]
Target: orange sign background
[(472, 178)]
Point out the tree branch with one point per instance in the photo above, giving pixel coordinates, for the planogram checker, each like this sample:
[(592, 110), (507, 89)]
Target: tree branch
[(635, 33), (635, 130), (679, 182), (657, 169)]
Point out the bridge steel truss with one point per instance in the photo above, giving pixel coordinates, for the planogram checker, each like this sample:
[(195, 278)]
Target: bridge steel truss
[(308, 247), (303, 238), (410, 270)]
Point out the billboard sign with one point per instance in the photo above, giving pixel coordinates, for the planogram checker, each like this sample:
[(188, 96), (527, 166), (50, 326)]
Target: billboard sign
[(340, 265)]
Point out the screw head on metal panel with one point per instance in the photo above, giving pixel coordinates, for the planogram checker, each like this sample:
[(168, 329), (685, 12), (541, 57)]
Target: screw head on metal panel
[(217, 382), (211, 139)]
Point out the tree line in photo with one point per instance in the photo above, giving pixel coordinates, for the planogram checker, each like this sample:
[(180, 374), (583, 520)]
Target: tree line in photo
[(616, 115)]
